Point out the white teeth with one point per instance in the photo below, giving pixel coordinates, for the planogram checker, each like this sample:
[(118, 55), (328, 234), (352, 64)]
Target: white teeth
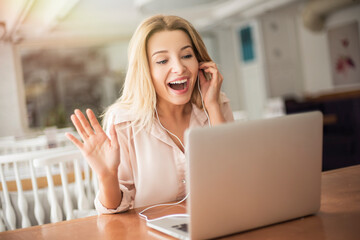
[(179, 82)]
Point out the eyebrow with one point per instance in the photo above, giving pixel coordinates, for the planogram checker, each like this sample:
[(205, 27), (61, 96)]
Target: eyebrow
[(164, 51)]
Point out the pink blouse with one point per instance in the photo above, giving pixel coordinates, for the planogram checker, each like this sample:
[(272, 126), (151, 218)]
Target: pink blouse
[(152, 168)]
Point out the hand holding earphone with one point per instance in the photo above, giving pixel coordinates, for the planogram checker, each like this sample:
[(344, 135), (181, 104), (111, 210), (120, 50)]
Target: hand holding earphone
[(210, 88)]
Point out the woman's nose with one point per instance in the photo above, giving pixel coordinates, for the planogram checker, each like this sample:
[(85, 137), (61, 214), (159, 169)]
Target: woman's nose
[(178, 66)]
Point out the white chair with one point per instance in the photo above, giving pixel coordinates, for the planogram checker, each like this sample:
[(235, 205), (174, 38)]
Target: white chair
[(85, 194), (7, 146), (20, 166), (51, 137), (2, 224), (24, 145), (240, 115), (56, 136), (8, 210), (11, 163), (274, 107)]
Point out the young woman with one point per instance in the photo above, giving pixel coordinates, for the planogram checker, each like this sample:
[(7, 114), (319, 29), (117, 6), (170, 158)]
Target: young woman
[(142, 162)]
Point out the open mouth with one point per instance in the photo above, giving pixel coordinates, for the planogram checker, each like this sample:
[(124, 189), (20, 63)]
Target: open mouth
[(178, 85)]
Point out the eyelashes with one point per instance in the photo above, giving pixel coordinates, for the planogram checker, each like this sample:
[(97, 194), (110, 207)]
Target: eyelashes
[(188, 56), (161, 62)]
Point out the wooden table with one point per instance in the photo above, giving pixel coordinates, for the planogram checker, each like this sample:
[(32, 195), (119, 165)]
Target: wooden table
[(338, 218)]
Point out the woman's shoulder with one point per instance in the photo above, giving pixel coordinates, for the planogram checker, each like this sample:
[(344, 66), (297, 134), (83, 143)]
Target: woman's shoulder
[(118, 115)]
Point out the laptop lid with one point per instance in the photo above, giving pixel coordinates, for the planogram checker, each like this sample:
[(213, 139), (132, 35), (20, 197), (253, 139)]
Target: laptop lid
[(245, 175)]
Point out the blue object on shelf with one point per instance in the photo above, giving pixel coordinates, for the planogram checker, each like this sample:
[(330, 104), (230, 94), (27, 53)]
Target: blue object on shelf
[(247, 44)]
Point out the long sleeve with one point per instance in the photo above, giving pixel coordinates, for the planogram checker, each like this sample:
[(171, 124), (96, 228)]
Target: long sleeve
[(225, 108), (125, 174)]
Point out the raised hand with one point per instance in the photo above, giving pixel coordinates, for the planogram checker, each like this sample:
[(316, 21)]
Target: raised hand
[(101, 153), (210, 89)]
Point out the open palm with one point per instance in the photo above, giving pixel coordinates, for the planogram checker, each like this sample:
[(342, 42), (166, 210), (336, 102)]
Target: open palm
[(100, 151)]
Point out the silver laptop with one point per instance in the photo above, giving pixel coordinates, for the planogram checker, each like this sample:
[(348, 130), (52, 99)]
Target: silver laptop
[(246, 175)]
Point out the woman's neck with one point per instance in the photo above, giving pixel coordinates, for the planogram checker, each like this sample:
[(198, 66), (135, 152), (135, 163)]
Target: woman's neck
[(175, 120), (174, 112)]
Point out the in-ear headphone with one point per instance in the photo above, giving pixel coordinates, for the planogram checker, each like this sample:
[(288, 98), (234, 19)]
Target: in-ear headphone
[(202, 100)]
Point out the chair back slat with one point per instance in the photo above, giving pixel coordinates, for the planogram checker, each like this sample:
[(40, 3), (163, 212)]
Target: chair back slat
[(95, 182), (83, 203), (55, 210), (9, 210), (68, 207), (2, 224), (22, 203), (88, 187), (38, 207)]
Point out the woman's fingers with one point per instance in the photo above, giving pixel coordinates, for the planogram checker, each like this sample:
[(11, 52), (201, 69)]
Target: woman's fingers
[(79, 127), (211, 88), (210, 67), (76, 141), (84, 122), (93, 121), (207, 65)]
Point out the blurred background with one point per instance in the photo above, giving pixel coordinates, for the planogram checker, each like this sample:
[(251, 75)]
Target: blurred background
[(277, 57)]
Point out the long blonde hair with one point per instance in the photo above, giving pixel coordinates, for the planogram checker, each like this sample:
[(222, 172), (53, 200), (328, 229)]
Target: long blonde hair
[(138, 95)]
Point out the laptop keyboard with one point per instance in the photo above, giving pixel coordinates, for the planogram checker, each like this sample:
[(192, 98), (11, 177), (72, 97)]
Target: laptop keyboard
[(183, 227)]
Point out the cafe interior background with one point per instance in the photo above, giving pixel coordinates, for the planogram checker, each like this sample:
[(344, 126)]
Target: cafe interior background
[(277, 57)]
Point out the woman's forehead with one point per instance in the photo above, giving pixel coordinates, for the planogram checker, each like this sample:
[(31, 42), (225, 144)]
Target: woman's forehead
[(168, 40)]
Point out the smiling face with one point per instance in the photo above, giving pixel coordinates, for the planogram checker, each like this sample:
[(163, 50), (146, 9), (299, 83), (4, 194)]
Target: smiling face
[(173, 66)]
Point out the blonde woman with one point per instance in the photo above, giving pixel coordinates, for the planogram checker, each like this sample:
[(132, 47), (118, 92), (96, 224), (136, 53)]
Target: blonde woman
[(141, 160)]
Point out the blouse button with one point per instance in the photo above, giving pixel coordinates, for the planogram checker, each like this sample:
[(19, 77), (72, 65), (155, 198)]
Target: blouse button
[(183, 181)]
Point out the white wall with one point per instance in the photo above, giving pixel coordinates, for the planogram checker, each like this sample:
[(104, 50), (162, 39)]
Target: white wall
[(227, 62), (251, 75), (315, 51), (283, 64), (12, 118)]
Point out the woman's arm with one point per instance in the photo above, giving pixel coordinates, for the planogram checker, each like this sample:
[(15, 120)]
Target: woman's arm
[(110, 194), (215, 114), (211, 91)]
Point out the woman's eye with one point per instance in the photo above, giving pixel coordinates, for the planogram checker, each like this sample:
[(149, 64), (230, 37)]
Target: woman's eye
[(188, 56), (161, 62)]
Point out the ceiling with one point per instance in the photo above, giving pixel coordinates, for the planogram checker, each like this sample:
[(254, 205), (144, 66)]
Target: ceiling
[(37, 20)]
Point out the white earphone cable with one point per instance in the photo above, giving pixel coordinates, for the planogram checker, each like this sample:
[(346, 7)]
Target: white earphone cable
[(202, 101), (141, 214), (157, 116)]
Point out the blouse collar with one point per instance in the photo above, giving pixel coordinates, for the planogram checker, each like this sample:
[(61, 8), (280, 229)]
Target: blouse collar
[(197, 118)]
